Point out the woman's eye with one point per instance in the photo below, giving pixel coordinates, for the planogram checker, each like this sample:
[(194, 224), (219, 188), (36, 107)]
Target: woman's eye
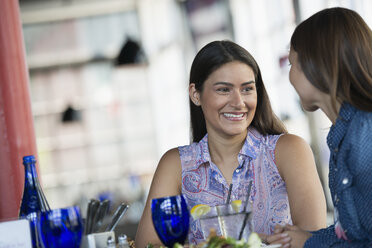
[(247, 89), (224, 90)]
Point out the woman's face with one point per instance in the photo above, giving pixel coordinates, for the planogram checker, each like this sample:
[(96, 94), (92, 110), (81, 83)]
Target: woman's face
[(309, 94), (228, 99)]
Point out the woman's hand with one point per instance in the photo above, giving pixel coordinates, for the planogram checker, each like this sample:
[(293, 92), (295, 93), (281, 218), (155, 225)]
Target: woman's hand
[(298, 236), (288, 236), (279, 237)]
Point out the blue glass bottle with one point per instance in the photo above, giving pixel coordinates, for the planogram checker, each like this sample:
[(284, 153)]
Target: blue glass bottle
[(33, 200)]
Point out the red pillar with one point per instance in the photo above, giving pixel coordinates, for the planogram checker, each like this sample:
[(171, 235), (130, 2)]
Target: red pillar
[(17, 134)]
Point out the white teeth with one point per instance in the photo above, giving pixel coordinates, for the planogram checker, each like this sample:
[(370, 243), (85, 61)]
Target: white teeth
[(232, 115)]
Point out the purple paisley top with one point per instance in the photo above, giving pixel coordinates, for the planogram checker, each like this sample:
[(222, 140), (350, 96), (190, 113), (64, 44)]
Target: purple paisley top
[(203, 183)]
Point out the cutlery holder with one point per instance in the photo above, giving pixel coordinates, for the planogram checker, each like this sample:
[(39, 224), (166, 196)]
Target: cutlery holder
[(97, 240)]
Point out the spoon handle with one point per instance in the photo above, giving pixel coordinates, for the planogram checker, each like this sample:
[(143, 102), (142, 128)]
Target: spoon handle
[(121, 210)]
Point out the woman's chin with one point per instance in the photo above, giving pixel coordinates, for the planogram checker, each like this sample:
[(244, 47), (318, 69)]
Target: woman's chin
[(309, 108)]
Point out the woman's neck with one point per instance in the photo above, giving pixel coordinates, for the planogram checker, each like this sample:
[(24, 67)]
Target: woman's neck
[(222, 148), (330, 111)]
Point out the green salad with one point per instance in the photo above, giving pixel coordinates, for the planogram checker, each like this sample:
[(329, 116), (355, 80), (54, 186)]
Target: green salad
[(254, 241)]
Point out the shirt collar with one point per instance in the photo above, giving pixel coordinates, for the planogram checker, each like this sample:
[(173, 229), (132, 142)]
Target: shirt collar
[(249, 148), (338, 130), (251, 143)]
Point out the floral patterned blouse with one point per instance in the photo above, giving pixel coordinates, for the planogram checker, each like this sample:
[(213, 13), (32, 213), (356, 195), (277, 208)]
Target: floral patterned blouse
[(203, 182)]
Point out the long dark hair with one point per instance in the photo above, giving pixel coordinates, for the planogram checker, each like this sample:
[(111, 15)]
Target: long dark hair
[(210, 58), (334, 48)]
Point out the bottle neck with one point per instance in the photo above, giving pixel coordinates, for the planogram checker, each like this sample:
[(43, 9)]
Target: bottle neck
[(31, 178)]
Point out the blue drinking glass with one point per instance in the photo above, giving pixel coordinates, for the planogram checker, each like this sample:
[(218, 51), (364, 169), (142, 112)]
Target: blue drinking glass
[(170, 216), (60, 228)]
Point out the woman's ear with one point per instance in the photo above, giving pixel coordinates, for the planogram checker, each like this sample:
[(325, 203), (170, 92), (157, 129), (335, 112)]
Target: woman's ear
[(194, 94)]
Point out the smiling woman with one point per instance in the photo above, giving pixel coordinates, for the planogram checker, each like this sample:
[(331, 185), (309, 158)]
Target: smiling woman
[(237, 140), (228, 99)]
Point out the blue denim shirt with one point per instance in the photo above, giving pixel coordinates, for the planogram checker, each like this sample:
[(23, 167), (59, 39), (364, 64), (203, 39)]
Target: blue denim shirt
[(350, 180)]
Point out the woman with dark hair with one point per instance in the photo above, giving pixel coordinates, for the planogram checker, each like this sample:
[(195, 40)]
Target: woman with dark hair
[(209, 59), (237, 139), (331, 57)]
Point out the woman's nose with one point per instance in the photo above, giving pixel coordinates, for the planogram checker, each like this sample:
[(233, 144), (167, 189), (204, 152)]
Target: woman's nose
[(236, 99)]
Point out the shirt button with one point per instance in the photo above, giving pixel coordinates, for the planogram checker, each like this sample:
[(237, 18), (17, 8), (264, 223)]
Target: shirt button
[(335, 150), (345, 181), (237, 170)]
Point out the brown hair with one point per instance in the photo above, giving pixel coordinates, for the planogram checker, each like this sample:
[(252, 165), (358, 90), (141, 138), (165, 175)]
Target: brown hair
[(210, 58), (334, 48)]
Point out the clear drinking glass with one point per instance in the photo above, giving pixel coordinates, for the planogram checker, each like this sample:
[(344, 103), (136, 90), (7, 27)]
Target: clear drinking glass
[(228, 221), (170, 216), (59, 228)]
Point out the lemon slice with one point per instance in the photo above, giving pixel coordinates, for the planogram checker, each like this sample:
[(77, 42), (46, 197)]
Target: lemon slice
[(236, 205), (199, 210), (254, 240)]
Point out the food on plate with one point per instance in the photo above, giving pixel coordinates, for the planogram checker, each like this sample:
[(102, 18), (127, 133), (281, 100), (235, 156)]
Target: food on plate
[(215, 241)]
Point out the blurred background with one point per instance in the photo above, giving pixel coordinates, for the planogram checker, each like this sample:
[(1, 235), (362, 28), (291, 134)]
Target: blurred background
[(109, 85)]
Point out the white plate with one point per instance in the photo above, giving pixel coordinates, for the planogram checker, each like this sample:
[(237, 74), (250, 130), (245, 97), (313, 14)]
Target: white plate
[(271, 246)]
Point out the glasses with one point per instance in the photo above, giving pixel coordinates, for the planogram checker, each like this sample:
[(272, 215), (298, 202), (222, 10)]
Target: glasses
[(170, 217), (60, 228)]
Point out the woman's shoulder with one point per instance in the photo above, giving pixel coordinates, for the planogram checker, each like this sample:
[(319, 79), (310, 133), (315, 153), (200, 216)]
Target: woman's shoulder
[(358, 130), (362, 120), (291, 143), (289, 138), (292, 150), (354, 118), (357, 141), (172, 155), (170, 161)]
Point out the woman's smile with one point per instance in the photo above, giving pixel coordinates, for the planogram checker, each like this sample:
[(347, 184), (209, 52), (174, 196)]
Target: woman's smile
[(234, 116)]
